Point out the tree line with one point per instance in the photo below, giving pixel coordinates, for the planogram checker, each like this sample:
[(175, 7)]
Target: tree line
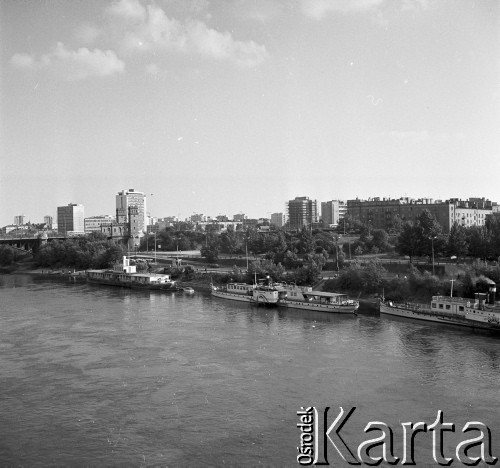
[(91, 251), (425, 237), (415, 285), (305, 252)]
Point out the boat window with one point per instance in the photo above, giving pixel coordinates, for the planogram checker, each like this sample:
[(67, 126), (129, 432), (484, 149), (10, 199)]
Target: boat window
[(461, 308), (440, 306), (433, 305), (447, 306)]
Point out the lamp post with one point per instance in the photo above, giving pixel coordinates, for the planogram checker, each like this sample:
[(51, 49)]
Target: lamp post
[(432, 246), (155, 246), (246, 252), (336, 240)]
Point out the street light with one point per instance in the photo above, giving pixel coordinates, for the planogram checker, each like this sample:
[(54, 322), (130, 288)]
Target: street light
[(336, 240), (432, 246), (246, 252)]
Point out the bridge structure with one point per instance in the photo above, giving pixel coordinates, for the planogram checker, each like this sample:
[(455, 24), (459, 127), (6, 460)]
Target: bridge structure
[(30, 242)]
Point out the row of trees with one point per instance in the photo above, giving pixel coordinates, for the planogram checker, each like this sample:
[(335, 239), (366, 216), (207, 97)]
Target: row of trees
[(426, 237), (305, 273), (8, 255), (276, 242), (372, 279), (92, 251)]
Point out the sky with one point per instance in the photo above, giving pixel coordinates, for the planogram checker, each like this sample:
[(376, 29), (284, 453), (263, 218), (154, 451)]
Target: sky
[(236, 106)]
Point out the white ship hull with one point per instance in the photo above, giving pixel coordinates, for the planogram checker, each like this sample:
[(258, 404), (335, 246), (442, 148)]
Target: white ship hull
[(231, 296), (428, 315)]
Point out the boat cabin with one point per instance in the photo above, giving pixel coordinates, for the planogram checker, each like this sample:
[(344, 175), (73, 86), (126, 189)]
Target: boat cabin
[(150, 278), (319, 297), (125, 267), (240, 288)]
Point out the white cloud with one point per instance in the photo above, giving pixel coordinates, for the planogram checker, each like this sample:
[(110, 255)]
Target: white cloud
[(129, 10), (150, 29), (318, 9), (212, 43), (136, 27), (73, 64)]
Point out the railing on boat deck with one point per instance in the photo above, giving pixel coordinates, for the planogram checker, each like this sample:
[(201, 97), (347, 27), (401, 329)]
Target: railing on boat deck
[(461, 300), (423, 309)]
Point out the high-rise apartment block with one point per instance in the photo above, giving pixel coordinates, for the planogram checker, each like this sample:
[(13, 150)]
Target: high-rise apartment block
[(197, 218), (302, 212), (381, 213), (128, 198), (332, 211), (19, 220), (239, 218), (49, 221), (278, 219), (70, 218)]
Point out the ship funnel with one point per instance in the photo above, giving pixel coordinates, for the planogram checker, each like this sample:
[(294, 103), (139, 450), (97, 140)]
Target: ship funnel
[(492, 293)]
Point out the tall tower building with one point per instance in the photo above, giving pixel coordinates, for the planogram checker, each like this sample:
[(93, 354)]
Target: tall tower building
[(332, 211), (49, 221), (278, 219), (19, 220), (302, 212), (128, 198), (70, 218)]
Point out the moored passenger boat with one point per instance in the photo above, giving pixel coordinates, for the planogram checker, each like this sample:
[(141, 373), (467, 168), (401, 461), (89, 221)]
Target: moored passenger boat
[(253, 293), (481, 313), (303, 297), (125, 275)]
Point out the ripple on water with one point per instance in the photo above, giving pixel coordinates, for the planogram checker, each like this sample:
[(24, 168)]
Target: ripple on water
[(104, 376)]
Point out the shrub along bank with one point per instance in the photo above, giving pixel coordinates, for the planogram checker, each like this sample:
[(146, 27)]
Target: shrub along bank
[(371, 279)]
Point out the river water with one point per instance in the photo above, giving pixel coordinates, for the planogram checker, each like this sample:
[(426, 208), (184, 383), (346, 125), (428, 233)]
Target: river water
[(101, 376)]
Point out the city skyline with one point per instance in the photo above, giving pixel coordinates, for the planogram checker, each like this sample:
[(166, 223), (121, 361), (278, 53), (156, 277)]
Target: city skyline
[(239, 107), (319, 204)]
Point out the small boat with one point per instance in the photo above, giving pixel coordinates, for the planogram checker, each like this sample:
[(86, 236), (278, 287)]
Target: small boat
[(125, 275), (188, 290), (481, 313), (303, 297)]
